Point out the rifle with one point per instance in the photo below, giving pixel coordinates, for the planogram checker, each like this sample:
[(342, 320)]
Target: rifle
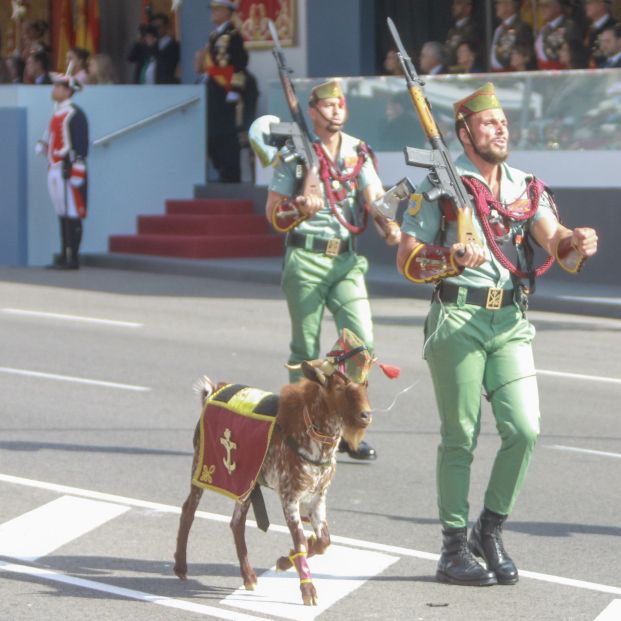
[(444, 176), (307, 171)]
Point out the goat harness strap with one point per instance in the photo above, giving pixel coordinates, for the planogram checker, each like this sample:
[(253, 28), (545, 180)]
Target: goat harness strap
[(258, 506), (296, 448), (316, 435)]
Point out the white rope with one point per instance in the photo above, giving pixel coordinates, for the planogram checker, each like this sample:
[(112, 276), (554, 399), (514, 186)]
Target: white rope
[(395, 399), (444, 314)]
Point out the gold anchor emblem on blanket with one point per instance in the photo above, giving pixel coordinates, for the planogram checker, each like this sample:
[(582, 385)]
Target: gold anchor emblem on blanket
[(229, 445)]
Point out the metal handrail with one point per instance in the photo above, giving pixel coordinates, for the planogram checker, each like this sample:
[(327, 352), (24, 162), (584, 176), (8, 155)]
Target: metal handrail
[(105, 140)]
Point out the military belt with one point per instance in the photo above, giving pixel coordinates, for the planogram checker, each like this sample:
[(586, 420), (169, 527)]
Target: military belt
[(330, 247), (492, 298)]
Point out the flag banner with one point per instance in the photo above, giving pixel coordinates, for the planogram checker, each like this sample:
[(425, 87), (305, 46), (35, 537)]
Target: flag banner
[(251, 20), (63, 36)]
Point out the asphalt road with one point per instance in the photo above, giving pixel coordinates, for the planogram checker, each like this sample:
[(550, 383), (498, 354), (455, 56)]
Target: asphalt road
[(96, 423)]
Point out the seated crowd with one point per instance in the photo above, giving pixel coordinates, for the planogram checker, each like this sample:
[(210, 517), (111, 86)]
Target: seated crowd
[(573, 34)]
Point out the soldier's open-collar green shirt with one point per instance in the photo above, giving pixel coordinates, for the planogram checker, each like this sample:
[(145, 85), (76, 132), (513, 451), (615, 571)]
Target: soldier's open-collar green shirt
[(323, 224), (423, 220)]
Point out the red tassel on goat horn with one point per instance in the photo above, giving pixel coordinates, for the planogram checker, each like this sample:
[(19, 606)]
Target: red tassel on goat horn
[(390, 370)]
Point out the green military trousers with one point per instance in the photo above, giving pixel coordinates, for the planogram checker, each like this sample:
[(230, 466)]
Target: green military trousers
[(469, 348), (313, 281)]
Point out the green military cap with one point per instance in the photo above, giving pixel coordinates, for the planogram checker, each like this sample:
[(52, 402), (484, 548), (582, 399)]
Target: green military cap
[(483, 98), (327, 90)]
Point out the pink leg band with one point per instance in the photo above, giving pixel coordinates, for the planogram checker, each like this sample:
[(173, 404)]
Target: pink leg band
[(301, 565)]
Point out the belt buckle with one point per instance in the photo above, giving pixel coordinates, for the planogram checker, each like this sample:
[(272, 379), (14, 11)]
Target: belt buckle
[(332, 247), (494, 298)]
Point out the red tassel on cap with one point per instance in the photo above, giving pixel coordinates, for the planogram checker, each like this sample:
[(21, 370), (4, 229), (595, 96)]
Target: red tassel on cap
[(390, 371)]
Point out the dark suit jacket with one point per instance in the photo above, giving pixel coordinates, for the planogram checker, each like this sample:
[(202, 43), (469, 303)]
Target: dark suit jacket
[(597, 59), (167, 60)]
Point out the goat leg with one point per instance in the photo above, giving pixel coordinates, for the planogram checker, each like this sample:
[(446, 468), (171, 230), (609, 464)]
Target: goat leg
[(185, 523), (320, 540), (238, 526), (299, 553)]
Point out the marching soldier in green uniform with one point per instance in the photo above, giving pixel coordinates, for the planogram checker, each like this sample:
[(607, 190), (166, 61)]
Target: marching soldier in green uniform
[(477, 336), (321, 267)]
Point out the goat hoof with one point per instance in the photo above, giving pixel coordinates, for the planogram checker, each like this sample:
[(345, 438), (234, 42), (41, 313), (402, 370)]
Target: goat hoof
[(283, 563), (183, 574), (250, 586), (309, 594)]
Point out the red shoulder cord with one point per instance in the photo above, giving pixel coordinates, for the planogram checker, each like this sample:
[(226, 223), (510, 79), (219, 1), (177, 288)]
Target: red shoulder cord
[(328, 172), (483, 199)]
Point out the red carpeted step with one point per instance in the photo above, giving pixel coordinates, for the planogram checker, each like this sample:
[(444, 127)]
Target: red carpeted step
[(198, 246), (208, 206), (184, 224)]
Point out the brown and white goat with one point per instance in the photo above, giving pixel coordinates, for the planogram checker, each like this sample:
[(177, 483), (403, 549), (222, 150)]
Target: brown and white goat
[(299, 465)]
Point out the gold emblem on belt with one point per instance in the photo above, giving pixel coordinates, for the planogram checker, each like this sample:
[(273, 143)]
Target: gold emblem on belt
[(333, 246), (494, 298)]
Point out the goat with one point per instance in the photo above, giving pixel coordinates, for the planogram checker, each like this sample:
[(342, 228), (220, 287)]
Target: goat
[(299, 465)]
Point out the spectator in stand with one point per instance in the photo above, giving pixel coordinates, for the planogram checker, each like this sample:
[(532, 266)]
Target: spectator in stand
[(610, 44), (556, 29), (401, 126), (143, 53), (464, 28), (598, 13), (432, 58), (522, 58), (574, 10), (148, 67), (573, 55), (15, 67), (33, 37), (392, 66), (38, 68), (510, 33), (78, 57), (222, 64), (167, 51), (101, 70), (5, 76), (467, 58)]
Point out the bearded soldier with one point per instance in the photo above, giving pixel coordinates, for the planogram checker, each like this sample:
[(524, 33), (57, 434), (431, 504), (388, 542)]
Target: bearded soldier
[(477, 335), (65, 143)]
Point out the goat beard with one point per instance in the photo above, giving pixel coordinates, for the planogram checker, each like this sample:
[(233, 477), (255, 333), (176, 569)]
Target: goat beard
[(354, 436)]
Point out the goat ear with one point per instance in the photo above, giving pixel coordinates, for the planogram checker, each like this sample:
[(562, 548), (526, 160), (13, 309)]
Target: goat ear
[(314, 374)]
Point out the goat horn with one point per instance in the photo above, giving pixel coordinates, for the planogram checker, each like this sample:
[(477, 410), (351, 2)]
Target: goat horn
[(325, 366)]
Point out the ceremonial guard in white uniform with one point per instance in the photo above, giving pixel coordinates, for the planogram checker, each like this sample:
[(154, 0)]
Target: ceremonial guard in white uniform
[(65, 143)]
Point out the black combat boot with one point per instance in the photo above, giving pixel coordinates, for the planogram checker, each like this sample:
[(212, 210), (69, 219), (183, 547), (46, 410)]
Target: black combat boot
[(364, 451), (457, 565), (486, 542)]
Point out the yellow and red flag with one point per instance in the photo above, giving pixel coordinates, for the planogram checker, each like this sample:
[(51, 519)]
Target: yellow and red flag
[(93, 27), (87, 25), (62, 32), (80, 23)]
